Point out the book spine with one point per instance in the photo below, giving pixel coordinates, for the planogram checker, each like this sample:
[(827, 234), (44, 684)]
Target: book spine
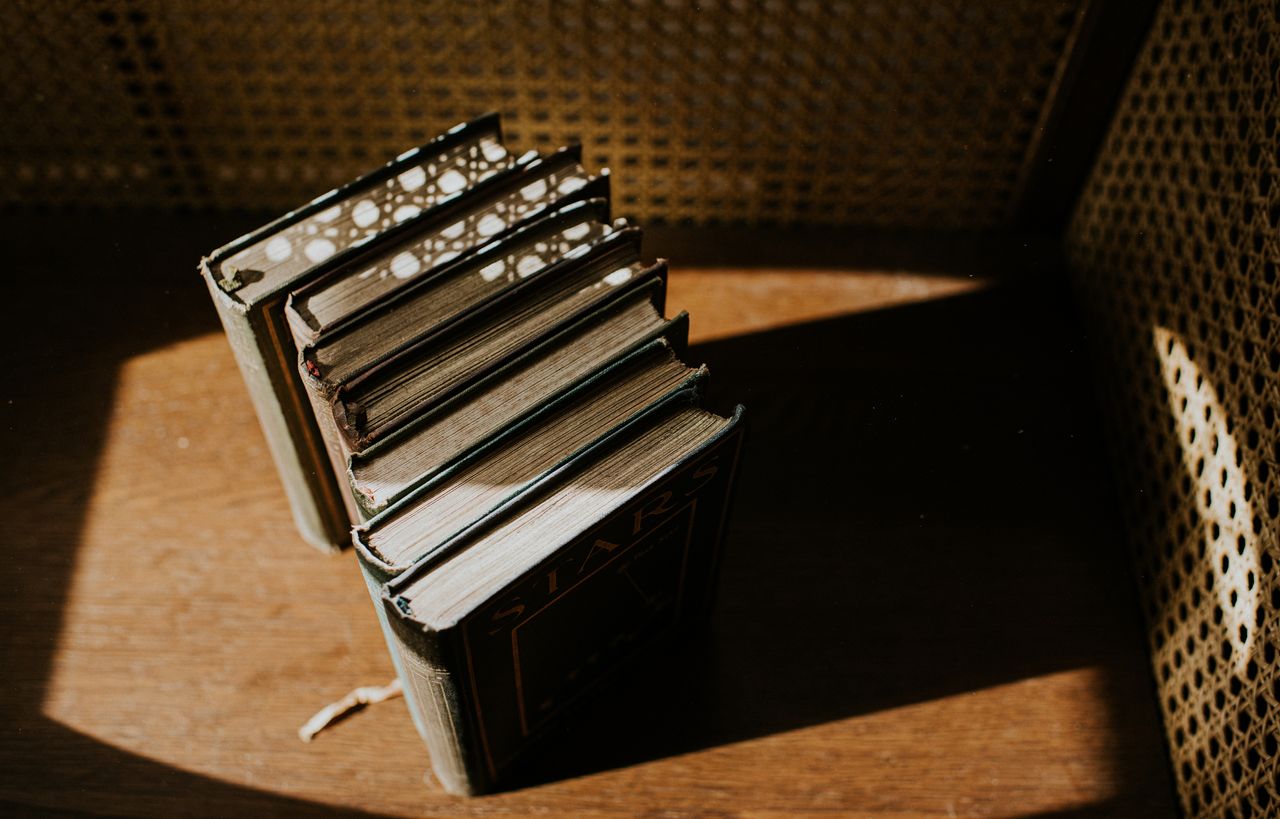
[(321, 400), (375, 575), (432, 680), (247, 335)]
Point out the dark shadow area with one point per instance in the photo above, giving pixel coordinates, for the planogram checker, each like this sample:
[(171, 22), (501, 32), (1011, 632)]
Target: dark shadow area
[(85, 293), (923, 510)]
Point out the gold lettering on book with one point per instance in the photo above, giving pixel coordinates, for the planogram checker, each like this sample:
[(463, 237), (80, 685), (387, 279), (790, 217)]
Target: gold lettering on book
[(660, 505), (541, 586), (599, 546), (514, 609), (702, 474)]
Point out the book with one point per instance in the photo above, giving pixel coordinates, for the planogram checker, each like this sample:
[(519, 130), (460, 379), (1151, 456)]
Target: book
[(543, 597), (485, 399), (509, 463), (250, 278)]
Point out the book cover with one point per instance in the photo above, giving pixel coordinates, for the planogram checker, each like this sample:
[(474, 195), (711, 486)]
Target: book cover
[(487, 685)]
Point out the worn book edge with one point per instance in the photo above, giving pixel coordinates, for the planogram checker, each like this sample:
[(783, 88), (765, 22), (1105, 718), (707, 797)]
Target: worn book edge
[(673, 331), (350, 417), (564, 210), (691, 386)]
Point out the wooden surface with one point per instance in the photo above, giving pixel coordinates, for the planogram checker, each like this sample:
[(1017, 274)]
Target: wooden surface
[(925, 607)]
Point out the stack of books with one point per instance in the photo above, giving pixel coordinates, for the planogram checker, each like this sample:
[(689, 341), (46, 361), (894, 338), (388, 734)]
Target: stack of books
[(463, 371)]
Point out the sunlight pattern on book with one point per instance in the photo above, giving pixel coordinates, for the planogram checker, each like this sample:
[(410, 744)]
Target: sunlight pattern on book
[(313, 240), (446, 243)]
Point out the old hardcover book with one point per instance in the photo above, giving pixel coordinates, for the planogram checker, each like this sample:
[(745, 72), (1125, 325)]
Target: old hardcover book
[(250, 278), (508, 623)]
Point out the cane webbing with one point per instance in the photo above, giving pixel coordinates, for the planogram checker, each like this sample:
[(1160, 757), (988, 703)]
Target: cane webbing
[(918, 113), (1175, 245)]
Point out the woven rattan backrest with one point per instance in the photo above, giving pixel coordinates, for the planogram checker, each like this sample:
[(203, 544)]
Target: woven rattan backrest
[(1175, 245), (919, 113)]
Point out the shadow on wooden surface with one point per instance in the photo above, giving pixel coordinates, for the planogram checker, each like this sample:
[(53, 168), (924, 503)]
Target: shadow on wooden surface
[(922, 513)]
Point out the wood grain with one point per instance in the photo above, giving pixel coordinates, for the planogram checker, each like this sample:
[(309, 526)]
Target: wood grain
[(924, 610)]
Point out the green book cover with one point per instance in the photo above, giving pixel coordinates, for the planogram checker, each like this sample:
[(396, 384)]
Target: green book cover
[(250, 278)]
